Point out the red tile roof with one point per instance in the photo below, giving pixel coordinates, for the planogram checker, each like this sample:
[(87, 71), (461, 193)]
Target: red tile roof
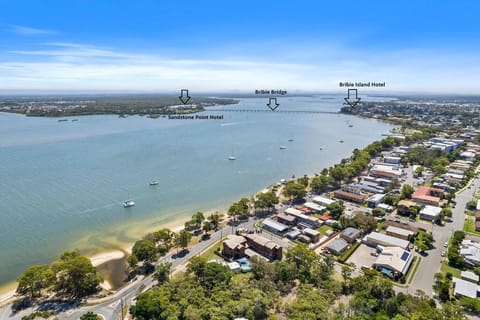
[(325, 217)]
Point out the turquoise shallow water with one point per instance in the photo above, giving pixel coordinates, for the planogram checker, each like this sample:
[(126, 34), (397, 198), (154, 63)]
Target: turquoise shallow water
[(62, 184)]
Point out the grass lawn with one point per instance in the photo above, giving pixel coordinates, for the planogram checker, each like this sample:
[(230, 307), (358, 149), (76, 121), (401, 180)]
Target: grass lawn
[(469, 226), (413, 269), (209, 254), (446, 268), (323, 229)]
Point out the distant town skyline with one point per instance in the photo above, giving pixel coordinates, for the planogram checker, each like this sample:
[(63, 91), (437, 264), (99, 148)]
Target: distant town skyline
[(215, 46)]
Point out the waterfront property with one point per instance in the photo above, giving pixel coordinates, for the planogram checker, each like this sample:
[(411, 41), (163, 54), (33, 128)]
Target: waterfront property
[(236, 247), (264, 246)]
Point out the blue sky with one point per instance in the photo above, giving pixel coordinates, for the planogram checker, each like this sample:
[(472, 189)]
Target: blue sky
[(160, 46)]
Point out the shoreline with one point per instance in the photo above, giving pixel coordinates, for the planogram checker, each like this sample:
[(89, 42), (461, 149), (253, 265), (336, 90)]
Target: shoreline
[(102, 256), (115, 250)]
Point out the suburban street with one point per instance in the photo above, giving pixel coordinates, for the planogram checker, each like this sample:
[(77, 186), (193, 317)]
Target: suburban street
[(430, 264)]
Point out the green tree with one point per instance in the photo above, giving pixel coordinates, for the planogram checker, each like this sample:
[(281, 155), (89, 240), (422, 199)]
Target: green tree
[(198, 218), (302, 257), (336, 209), (304, 181), (321, 183), (419, 171), (165, 236), (90, 316), (162, 272), (447, 212), (364, 222), (406, 191), (34, 279), (294, 190), (207, 227), (144, 250), (266, 200), (75, 275), (197, 266), (391, 200), (215, 220), (132, 261), (442, 286), (182, 239)]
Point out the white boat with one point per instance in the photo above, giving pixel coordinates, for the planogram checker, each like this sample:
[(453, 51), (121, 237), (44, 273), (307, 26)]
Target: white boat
[(232, 158), (283, 147), (128, 204), (154, 183)]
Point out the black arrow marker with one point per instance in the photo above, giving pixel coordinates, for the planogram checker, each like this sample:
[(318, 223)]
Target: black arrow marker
[(184, 98), (352, 103), (269, 104)]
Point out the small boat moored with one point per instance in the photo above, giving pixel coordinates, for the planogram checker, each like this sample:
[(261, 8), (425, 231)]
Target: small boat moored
[(154, 183), (128, 204), (283, 147), (232, 158)]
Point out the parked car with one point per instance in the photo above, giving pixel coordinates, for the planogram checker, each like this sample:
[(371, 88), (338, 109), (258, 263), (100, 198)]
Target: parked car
[(443, 254), (445, 244)]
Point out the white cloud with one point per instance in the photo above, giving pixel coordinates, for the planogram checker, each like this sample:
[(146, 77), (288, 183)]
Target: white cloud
[(70, 66), (29, 31)]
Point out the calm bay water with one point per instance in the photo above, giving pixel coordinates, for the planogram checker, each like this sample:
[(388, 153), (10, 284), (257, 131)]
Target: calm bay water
[(62, 184)]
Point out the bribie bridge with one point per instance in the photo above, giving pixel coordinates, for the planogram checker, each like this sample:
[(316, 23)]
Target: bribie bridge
[(276, 111)]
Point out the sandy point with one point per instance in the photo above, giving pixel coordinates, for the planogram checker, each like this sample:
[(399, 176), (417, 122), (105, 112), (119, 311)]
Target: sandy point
[(104, 257)]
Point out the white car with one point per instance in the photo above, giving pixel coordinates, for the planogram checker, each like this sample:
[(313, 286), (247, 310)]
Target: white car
[(445, 244), (443, 254)]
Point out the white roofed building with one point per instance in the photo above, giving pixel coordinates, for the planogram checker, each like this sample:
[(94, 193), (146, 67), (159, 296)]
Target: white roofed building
[(393, 262)]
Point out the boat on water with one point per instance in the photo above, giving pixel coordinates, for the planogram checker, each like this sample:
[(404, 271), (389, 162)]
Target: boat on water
[(62, 120), (283, 147), (74, 120), (290, 140), (350, 125), (232, 158), (128, 204), (321, 148), (154, 183), (341, 141)]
